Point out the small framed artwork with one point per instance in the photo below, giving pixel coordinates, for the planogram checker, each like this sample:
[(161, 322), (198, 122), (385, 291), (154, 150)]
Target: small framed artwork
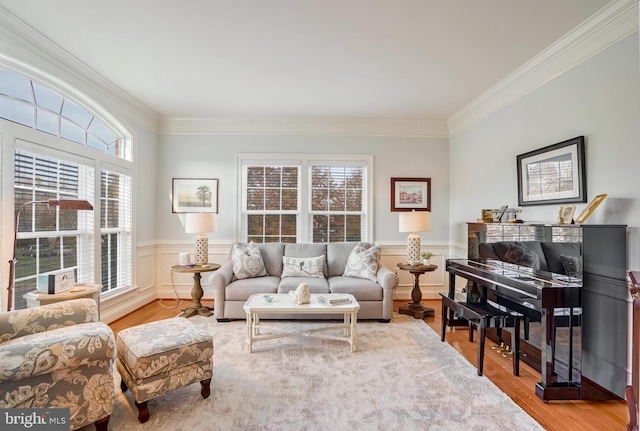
[(409, 194), (584, 215), (194, 195), (553, 174), (565, 215)]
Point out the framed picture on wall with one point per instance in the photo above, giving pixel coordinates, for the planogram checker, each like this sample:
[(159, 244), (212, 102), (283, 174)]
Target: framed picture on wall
[(194, 195), (409, 194), (553, 174)]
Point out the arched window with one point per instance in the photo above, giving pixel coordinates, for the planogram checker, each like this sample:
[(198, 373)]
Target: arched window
[(70, 153)]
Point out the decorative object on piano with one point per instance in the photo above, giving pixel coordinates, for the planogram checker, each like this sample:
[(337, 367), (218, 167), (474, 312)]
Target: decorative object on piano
[(409, 194), (553, 174), (413, 222), (584, 215), (502, 215), (565, 215), (426, 257)]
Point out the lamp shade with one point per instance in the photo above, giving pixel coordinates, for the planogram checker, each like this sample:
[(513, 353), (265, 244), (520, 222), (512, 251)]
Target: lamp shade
[(200, 223), (415, 221)]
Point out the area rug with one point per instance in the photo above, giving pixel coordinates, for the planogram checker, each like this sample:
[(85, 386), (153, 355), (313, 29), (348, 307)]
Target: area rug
[(401, 377)]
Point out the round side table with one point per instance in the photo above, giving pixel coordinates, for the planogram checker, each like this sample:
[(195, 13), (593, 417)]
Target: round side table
[(416, 308), (196, 293)]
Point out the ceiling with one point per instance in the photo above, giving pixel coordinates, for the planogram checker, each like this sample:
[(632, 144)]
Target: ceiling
[(417, 59)]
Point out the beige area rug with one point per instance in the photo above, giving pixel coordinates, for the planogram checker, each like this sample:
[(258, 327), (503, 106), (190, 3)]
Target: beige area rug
[(401, 377)]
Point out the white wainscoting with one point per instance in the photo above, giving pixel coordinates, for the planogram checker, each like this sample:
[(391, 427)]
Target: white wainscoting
[(431, 283)]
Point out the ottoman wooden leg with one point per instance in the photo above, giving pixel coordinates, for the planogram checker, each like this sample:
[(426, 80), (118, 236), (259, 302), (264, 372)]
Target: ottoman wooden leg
[(206, 388), (143, 411)]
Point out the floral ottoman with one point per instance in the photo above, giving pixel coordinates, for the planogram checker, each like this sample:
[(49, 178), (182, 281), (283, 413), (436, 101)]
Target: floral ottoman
[(158, 357)]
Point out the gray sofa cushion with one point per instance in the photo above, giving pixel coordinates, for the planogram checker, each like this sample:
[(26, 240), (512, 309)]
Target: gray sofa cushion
[(360, 288), (316, 285), (337, 255), (272, 257), (242, 289)]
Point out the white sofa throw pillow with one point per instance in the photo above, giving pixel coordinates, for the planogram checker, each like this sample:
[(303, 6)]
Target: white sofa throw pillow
[(303, 266), (247, 261), (363, 262)]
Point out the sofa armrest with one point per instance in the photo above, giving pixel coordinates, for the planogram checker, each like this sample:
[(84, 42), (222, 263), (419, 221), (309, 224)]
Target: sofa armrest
[(387, 278), (55, 350), (19, 323), (222, 277)]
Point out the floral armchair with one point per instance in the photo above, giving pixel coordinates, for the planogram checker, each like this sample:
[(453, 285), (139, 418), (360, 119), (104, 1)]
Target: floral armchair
[(58, 356)]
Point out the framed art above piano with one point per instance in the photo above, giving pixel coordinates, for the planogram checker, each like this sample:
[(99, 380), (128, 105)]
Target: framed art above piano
[(590, 257)]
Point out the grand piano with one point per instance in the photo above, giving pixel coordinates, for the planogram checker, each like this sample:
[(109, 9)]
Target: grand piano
[(580, 322)]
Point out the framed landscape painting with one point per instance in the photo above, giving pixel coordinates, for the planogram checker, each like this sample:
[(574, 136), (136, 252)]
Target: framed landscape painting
[(194, 195), (409, 194)]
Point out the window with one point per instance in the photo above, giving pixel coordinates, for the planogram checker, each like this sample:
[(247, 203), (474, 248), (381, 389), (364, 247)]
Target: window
[(74, 155), (300, 199), (50, 239), (31, 104)]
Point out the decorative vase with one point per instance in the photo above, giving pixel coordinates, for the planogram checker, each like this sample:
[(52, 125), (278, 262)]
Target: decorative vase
[(426, 261)]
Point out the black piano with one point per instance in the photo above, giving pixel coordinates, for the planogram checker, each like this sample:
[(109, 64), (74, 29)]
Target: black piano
[(540, 296)]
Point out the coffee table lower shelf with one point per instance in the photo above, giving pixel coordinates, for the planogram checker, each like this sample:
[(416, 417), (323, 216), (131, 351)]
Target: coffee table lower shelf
[(256, 307)]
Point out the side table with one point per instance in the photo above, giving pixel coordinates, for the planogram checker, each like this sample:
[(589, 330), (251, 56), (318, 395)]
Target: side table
[(196, 292), (416, 308), (81, 290)]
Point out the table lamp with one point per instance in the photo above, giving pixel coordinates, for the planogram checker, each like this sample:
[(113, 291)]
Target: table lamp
[(414, 221), (201, 223)]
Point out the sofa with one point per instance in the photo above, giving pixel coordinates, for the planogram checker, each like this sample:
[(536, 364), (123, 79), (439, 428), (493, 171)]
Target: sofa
[(58, 356), (337, 267)]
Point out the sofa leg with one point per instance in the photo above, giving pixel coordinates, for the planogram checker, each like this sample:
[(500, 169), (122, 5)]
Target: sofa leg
[(123, 386), (384, 320), (206, 388), (143, 411), (101, 424)]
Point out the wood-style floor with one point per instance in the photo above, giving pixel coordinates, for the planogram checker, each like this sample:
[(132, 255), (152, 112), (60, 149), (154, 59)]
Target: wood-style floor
[(553, 416)]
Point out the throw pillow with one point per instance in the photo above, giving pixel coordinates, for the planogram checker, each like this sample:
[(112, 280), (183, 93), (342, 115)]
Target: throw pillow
[(303, 266), (247, 261), (363, 262), (520, 255), (572, 265)]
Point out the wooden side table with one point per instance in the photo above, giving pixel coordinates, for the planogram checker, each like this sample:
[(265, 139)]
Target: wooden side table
[(35, 298), (416, 308), (196, 293)]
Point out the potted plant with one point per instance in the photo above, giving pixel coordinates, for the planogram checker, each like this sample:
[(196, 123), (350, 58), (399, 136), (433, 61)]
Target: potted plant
[(426, 257)]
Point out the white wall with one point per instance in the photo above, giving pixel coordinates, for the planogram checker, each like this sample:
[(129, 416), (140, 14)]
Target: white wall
[(214, 156), (599, 99)]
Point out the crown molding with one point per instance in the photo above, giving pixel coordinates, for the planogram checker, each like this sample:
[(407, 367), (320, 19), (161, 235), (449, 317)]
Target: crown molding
[(402, 127), (610, 25), (25, 49)]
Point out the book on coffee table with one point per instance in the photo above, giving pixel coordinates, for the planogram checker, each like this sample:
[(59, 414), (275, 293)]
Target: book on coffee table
[(334, 299)]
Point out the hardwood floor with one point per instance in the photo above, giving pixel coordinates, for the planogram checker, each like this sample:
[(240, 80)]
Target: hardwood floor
[(553, 416)]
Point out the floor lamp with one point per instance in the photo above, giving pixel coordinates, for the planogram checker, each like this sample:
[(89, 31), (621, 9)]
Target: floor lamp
[(64, 204)]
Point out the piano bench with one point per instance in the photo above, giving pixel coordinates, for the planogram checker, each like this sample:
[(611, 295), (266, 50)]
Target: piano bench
[(483, 315)]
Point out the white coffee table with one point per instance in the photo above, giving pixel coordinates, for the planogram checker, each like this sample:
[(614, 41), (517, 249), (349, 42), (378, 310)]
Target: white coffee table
[(282, 303)]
